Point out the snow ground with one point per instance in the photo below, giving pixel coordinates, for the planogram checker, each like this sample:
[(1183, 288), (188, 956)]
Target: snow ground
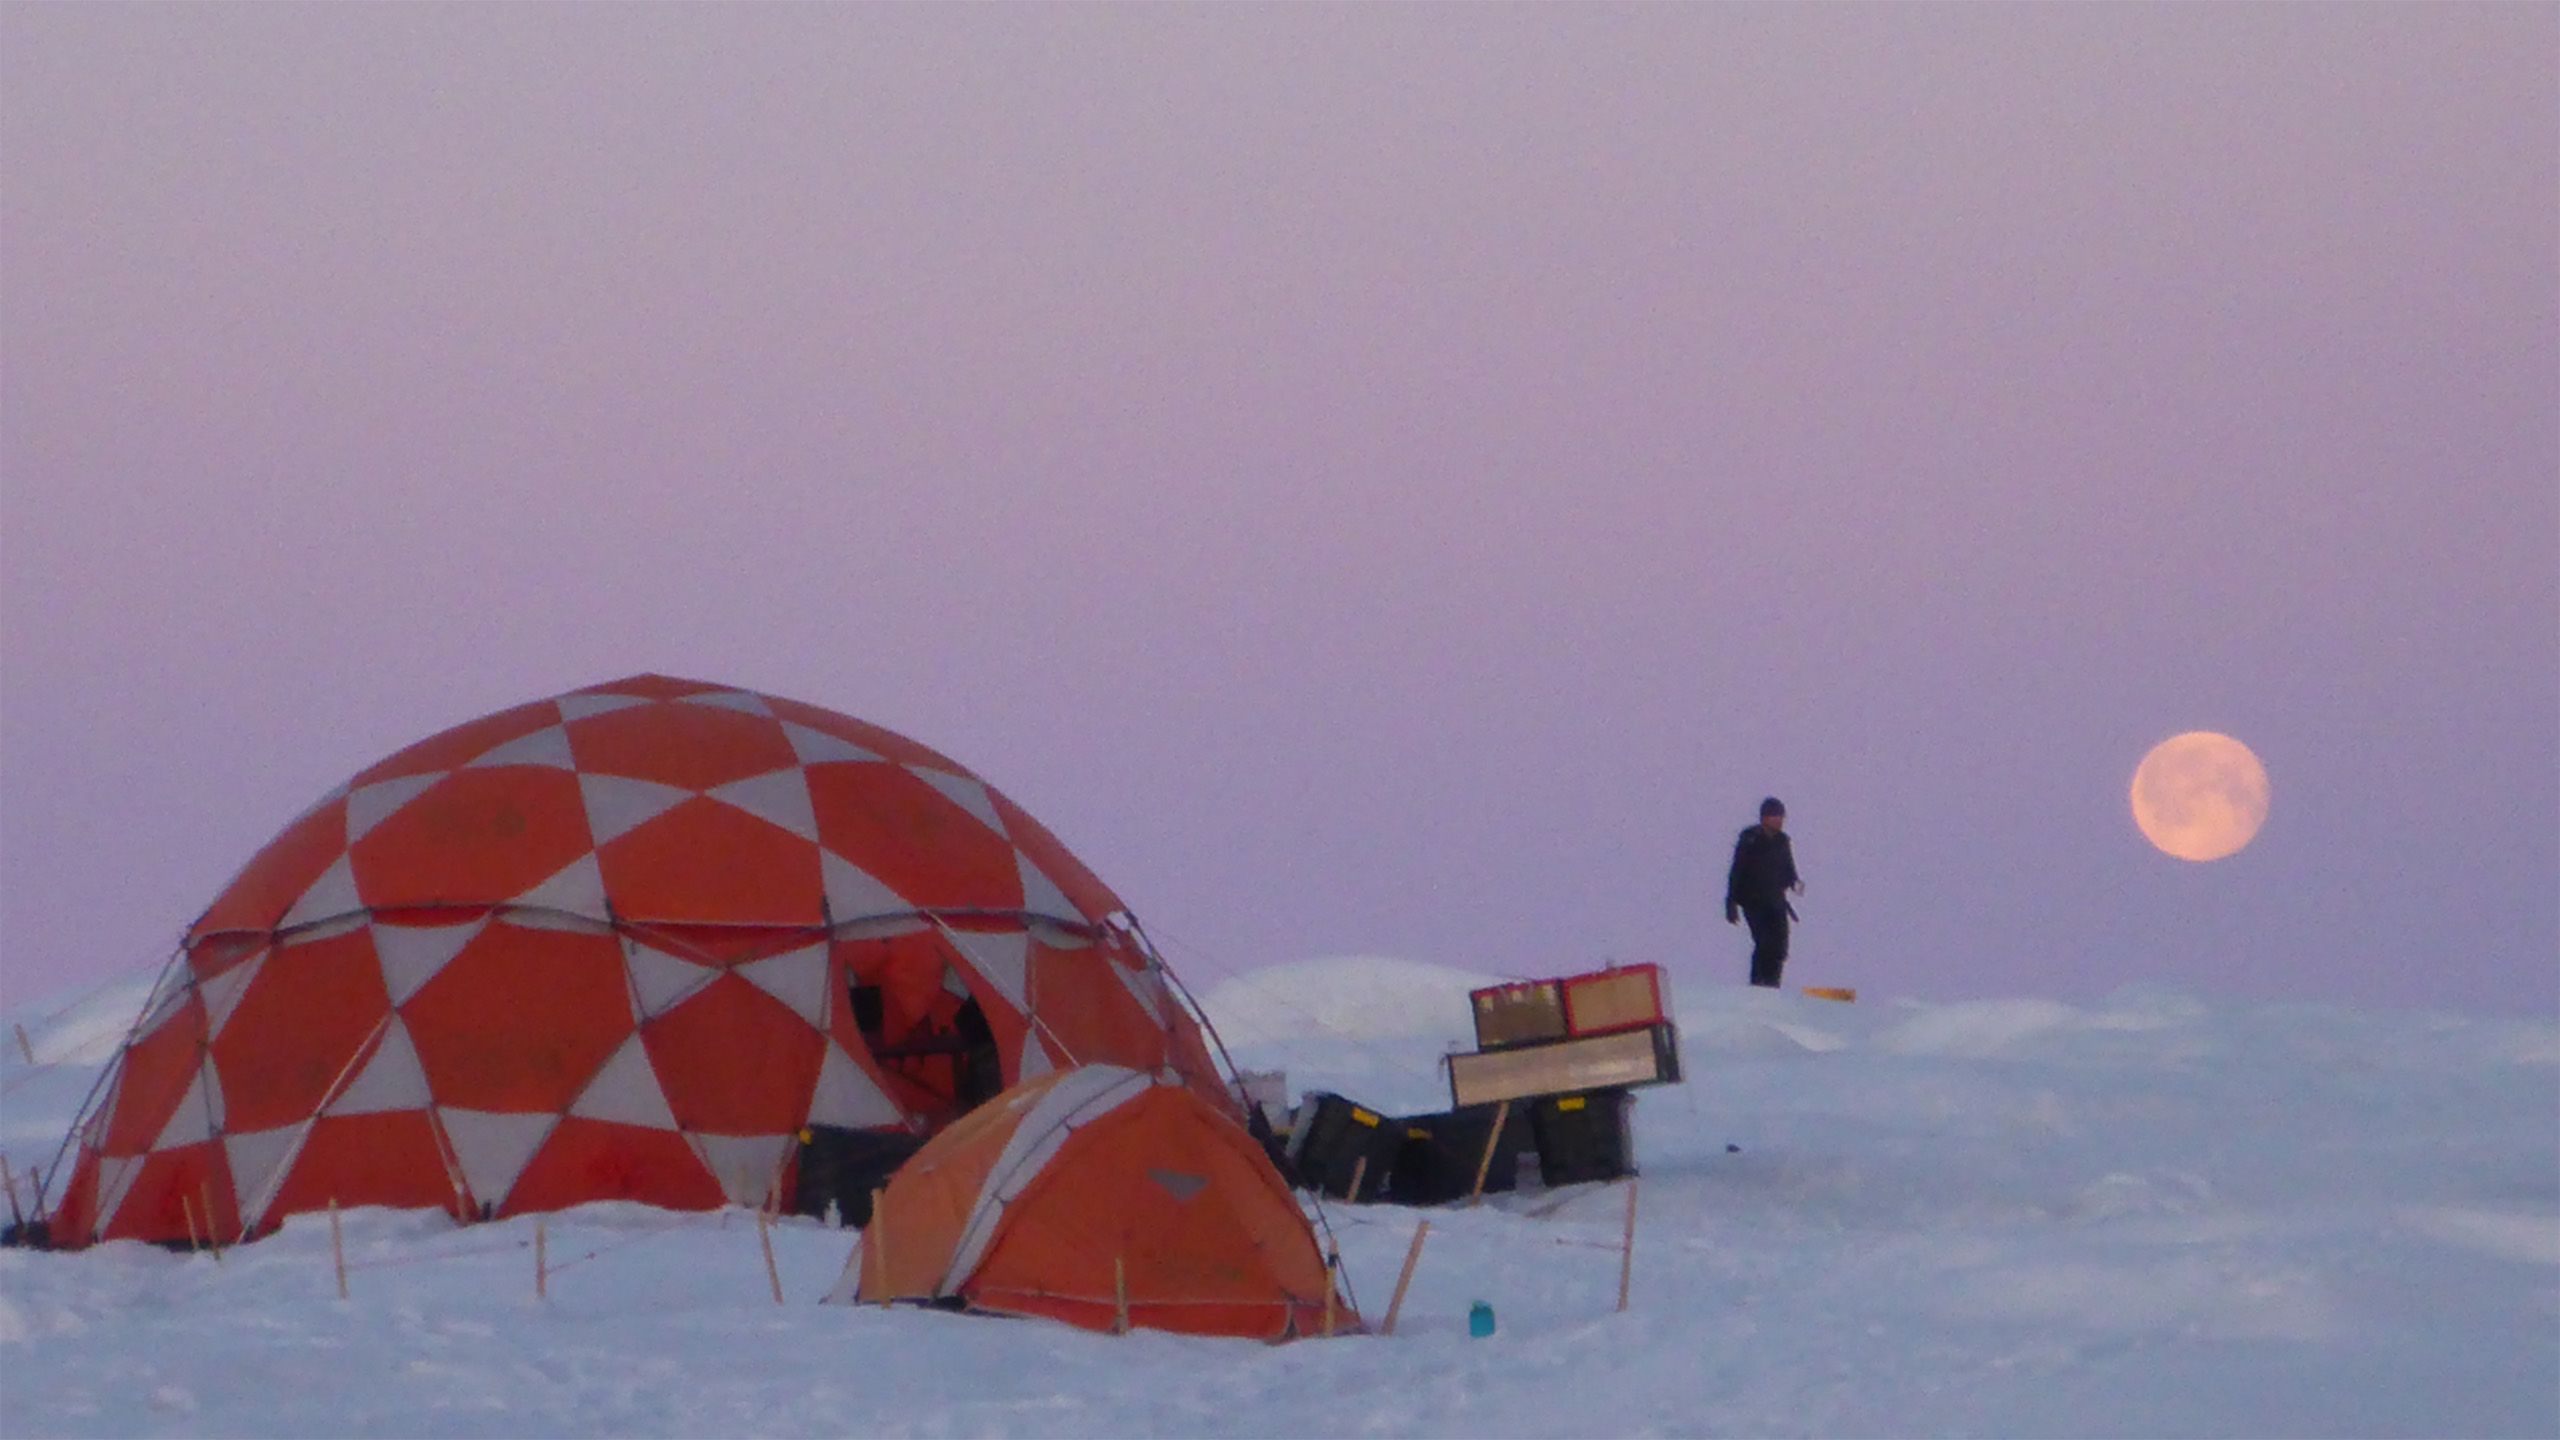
[(2149, 1216)]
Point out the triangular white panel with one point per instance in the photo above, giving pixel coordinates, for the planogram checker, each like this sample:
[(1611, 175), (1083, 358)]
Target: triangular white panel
[(618, 804), (1035, 1057), (372, 804), (577, 889), (168, 999), (853, 893), (1003, 960), (580, 707), (258, 1159), (881, 927), (779, 797), (222, 992), (412, 955), (817, 747), (548, 746), (627, 1091), (746, 702), (660, 981), (115, 1177), (747, 1166), (963, 791), (846, 1096), (1146, 987), (797, 979), (392, 1079), (334, 893), (198, 1116), (492, 1149), (1040, 894)]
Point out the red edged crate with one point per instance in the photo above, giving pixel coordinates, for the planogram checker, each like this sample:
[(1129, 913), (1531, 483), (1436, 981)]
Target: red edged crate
[(1603, 1002)]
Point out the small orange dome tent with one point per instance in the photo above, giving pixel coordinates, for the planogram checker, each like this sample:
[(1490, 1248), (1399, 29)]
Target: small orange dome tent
[(622, 943), (1093, 1194)]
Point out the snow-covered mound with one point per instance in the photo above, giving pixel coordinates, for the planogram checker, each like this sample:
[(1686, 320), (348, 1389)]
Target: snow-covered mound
[(1345, 997), (2152, 1215)]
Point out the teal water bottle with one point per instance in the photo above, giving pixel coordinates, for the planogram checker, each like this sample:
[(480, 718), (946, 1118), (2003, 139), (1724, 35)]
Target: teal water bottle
[(1479, 1319)]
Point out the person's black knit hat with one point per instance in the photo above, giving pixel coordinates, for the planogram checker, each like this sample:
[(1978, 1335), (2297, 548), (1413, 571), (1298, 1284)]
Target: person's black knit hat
[(1772, 806)]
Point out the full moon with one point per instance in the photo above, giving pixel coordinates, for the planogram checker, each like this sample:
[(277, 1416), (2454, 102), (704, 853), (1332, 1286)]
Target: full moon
[(2200, 796)]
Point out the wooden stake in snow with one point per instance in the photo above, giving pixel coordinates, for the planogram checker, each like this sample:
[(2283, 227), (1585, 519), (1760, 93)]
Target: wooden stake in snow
[(1627, 1252), (10, 1183), (1412, 1254), (1119, 1295), (875, 1247), (764, 1237), (1332, 1267), (188, 1206), (1359, 1172), (211, 1240), (25, 1049), (541, 1261), (1484, 1165), (337, 1248)]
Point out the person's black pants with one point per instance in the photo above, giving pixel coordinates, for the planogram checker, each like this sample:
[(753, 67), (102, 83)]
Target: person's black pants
[(1768, 942)]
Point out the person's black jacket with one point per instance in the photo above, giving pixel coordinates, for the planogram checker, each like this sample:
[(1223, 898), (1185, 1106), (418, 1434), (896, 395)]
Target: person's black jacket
[(1764, 867)]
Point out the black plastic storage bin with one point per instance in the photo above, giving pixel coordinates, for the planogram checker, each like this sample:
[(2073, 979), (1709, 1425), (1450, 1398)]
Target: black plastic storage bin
[(845, 1166), (1438, 1154), (1584, 1137), (1332, 1137)]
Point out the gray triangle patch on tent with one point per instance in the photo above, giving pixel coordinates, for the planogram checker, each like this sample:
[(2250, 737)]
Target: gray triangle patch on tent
[(548, 747), (745, 702), (412, 955), (584, 707), (333, 894), (847, 1097), (577, 890), (370, 805), (1041, 895), (626, 1091), (660, 981), (391, 1080), (116, 1174), (1001, 959), (258, 1162), (619, 804), (493, 1149), (817, 747), (964, 791), (778, 797), (748, 1167), (198, 1117), (798, 979), (853, 893), (222, 992)]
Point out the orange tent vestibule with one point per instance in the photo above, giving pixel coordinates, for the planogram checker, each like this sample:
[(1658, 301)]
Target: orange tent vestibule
[(1099, 1195)]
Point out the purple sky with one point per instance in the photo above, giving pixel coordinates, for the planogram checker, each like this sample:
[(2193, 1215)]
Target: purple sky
[(1396, 479)]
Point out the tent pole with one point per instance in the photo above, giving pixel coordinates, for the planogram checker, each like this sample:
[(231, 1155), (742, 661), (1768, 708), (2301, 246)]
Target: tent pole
[(1627, 1252)]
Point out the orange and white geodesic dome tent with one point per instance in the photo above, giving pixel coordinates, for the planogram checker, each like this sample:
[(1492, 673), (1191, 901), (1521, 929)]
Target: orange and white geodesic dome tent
[(603, 946)]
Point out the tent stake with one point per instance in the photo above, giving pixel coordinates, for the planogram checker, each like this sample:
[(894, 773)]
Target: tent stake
[(1119, 1295), (1412, 1254), (764, 1237), (1627, 1253), (1332, 1266), (1359, 1169), (188, 1206), (338, 1248), (212, 1240), (875, 1247), (10, 1183), (541, 1261), (1484, 1165)]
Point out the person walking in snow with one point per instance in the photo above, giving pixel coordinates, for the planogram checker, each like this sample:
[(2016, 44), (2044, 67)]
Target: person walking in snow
[(1756, 889)]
